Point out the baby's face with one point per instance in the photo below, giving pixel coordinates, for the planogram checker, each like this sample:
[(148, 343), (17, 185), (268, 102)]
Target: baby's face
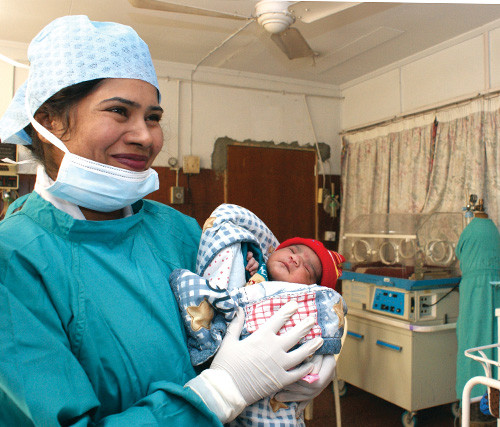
[(296, 264)]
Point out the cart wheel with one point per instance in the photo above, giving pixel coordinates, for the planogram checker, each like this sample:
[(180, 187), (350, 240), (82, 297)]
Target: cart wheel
[(409, 419), (455, 409), (342, 388)]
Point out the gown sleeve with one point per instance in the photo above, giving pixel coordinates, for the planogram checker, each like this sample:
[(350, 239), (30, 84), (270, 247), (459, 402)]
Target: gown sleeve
[(43, 383)]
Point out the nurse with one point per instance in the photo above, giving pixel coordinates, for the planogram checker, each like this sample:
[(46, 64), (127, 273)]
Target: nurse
[(89, 328)]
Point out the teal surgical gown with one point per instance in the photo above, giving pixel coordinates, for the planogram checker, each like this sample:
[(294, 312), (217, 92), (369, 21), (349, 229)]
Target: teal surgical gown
[(478, 250), (90, 332)]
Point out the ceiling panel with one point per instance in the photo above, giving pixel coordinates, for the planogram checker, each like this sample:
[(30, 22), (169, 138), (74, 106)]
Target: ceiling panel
[(352, 42)]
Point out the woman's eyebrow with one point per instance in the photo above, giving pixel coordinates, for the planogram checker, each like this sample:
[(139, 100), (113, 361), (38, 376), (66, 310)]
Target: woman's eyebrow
[(131, 103)]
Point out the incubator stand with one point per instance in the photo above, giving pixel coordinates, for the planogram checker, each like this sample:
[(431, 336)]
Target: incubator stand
[(401, 289)]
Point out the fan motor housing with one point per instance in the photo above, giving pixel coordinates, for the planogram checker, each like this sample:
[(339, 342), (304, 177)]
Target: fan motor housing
[(274, 15)]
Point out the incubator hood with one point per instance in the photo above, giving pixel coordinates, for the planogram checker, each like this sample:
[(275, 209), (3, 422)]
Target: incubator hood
[(408, 246)]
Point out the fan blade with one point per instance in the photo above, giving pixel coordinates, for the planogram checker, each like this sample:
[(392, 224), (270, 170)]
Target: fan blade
[(293, 44), (177, 8)]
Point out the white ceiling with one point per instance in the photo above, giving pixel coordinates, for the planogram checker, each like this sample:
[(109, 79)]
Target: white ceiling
[(350, 43)]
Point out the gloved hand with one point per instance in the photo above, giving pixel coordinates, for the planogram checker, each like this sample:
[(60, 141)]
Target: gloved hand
[(303, 392), (245, 371)]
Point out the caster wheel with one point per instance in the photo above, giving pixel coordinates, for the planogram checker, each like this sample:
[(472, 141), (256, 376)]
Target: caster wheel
[(455, 409), (409, 419), (342, 388)]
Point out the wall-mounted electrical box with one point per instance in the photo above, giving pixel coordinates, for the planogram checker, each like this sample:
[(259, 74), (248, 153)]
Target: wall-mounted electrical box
[(9, 179), (191, 164), (330, 236), (177, 195)]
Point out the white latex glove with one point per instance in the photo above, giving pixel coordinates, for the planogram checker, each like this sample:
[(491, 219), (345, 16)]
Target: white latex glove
[(245, 371), (302, 391)]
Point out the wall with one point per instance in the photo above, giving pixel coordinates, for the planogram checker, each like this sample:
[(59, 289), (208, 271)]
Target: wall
[(230, 104), (455, 70)]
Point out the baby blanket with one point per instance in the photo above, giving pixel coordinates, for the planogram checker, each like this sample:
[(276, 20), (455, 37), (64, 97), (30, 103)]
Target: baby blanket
[(206, 310)]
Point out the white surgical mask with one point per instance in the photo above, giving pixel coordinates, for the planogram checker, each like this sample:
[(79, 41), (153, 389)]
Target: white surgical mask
[(94, 185)]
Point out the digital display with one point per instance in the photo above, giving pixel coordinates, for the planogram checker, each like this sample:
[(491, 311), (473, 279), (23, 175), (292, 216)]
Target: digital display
[(9, 182)]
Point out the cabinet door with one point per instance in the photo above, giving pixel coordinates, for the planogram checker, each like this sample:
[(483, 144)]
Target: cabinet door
[(353, 365), (377, 359), (391, 358)]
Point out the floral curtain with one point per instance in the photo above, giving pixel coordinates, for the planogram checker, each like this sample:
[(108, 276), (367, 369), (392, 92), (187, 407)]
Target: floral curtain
[(415, 167), (467, 159), (386, 169)]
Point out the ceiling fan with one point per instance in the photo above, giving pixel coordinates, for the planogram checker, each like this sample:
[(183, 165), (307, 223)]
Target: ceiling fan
[(275, 16)]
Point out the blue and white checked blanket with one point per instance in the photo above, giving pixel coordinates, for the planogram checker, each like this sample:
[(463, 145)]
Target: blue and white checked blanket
[(207, 309), (229, 224)]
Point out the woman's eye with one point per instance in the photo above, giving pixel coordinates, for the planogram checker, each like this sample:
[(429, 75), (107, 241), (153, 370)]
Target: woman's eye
[(154, 117), (119, 110)]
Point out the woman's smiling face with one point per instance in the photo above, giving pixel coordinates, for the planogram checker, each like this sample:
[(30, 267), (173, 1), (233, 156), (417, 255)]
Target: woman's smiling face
[(117, 124)]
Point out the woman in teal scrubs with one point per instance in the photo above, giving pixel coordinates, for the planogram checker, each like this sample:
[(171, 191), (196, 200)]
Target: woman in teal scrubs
[(478, 250), (90, 332)]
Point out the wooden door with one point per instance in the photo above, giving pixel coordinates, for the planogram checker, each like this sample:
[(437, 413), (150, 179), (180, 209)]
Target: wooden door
[(277, 184)]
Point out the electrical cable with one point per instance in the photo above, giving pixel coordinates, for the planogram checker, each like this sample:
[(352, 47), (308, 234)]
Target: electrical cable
[(316, 144), (196, 68), (443, 297)]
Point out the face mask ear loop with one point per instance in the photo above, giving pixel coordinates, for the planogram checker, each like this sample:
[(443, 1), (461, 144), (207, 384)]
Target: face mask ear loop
[(43, 131)]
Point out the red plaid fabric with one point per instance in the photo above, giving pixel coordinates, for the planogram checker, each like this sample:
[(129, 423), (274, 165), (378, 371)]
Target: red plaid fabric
[(258, 313)]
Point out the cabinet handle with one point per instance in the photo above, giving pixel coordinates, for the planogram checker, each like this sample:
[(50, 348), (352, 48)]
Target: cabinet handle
[(389, 346), (355, 335)]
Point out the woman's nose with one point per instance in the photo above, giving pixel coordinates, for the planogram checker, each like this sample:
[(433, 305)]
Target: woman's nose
[(140, 134)]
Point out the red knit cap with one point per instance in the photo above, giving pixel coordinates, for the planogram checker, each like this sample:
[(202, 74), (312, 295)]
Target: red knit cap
[(330, 261)]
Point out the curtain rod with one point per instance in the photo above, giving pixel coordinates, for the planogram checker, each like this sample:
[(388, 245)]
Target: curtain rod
[(435, 108)]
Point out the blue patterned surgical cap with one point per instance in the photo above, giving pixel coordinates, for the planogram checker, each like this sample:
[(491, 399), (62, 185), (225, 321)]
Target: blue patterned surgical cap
[(70, 50)]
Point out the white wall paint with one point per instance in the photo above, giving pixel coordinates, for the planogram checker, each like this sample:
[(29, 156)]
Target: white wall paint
[(447, 74), (372, 99), (494, 51), (242, 114), (457, 69), (237, 105), (7, 79)]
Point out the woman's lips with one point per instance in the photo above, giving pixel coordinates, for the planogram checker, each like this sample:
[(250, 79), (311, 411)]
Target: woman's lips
[(132, 161)]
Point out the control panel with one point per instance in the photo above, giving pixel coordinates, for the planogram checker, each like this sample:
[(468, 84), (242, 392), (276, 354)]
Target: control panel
[(423, 306), (389, 301)]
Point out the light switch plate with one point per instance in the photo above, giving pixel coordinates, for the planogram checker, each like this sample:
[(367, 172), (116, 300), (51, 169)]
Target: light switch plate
[(330, 236), (177, 195)]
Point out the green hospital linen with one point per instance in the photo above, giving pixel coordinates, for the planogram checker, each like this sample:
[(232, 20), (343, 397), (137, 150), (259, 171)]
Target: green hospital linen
[(90, 332), (478, 250)]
